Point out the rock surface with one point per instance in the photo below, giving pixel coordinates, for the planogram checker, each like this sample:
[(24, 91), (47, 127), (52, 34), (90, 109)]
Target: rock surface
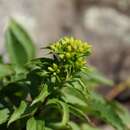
[(109, 31)]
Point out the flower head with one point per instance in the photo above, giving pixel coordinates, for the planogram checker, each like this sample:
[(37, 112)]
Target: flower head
[(68, 47), (71, 52)]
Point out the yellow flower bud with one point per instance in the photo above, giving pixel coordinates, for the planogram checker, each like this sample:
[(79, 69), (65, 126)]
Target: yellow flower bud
[(74, 46), (68, 55), (54, 73), (50, 69), (61, 56), (52, 47), (69, 48), (55, 66), (58, 71), (81, 49)]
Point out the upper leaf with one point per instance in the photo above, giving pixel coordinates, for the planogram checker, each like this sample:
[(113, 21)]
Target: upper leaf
[(93, 78), (19, 45)]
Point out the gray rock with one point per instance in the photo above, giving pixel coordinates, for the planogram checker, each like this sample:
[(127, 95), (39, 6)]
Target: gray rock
[(109, 32)]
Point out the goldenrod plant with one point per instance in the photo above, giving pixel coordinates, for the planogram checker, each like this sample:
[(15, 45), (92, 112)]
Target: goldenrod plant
[(51, 93)]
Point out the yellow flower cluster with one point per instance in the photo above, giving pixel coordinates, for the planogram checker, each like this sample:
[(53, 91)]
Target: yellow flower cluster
[(68, 48), (70, 52)]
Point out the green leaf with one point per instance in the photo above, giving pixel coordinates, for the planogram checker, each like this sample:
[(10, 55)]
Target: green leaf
[(5, 70), (4, 114), (18, 112), (92, 77), (123, 113), (88, 127), (65, 113), (78, 112), (33, 124), (125, 116), (46, 128), (76, 100), (74, 126), (19, 45), (74, 87), (42, 96), (40, 125), (74, 96), (83, 126), (100, 108)]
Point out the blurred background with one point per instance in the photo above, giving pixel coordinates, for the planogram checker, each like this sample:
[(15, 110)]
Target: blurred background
[(103, 23)]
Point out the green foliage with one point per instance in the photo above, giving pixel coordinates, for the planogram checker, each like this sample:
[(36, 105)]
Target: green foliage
[(18, 112), (4, 114), (51, 93), (102, 109), (33, 124), (5, 70), (19, 45)]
